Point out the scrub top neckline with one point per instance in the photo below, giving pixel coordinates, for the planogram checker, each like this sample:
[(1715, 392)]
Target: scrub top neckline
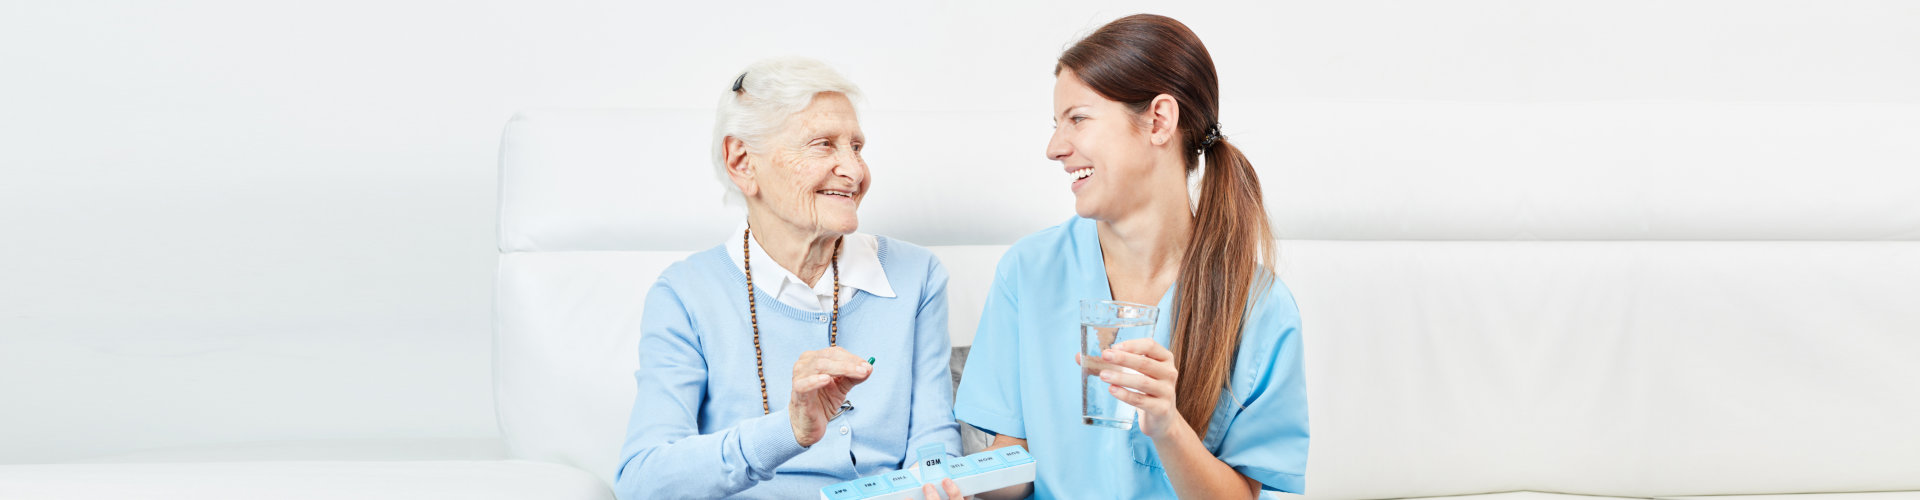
[(1093, 262)]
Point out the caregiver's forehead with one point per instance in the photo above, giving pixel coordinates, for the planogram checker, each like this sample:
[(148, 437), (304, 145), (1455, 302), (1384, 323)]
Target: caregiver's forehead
[(1069, 94)]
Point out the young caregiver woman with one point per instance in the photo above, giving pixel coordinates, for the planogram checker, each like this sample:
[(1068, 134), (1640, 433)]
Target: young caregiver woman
[(1221, 398)]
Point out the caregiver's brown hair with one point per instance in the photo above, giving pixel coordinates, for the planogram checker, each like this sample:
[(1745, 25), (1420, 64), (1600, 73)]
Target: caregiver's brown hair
[(1132, 60)]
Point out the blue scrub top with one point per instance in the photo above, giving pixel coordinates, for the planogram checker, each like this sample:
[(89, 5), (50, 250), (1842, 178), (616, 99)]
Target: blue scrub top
[(1021, 380)]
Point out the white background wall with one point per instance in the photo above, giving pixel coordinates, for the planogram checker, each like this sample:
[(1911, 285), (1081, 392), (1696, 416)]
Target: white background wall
[(227, 222)]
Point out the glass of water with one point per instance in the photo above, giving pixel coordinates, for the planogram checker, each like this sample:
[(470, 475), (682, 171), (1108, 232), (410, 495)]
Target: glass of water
[(1102, 324)]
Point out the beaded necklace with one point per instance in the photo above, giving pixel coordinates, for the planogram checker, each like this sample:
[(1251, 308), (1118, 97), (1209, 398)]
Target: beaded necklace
[(753, 315)]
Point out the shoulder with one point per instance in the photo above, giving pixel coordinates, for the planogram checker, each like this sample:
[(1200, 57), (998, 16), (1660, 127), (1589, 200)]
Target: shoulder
[(907, 266), (697, 268), (1052, 239), (674, 304), (1276, 302), (893, 250), (904, 259), (1047, 246), (1273, 327)]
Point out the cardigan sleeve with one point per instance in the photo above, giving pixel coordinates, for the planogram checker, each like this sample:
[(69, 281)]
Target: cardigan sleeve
[(665, 456)]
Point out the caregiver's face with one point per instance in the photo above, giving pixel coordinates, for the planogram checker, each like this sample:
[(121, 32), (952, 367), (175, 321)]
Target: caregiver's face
[(810, 174), (1101, 147)]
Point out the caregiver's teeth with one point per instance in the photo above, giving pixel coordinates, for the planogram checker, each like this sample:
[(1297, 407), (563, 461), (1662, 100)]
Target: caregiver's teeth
[(1082, 173)]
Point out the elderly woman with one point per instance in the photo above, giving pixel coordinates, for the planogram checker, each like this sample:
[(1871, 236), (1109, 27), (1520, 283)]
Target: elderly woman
[(797, 353)]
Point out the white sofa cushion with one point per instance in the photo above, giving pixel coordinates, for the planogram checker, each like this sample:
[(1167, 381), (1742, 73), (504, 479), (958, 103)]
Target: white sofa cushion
[(1525, 495), (1873, 495), (1661, 170), (1609, 368), (566, 340), (319, 450), (450, 480)]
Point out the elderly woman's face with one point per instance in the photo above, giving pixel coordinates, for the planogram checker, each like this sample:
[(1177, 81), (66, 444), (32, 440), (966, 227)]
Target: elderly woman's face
[(810, 174)]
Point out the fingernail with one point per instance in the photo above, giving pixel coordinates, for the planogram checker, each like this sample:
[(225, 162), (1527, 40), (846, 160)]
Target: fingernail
[(1106, 374)]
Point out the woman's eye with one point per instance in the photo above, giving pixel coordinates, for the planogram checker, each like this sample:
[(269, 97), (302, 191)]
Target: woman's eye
[(858, 146), (1077, 119)]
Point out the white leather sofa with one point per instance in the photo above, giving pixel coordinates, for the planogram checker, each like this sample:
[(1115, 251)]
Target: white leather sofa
[(1522, 301), (1610, 299)]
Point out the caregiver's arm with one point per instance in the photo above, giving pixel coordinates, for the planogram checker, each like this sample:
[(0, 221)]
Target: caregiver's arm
[(989, 394), (1194, 471), (1015, 492)]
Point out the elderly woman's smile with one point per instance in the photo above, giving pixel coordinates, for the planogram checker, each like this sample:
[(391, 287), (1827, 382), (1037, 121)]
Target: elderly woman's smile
[(817, 177)]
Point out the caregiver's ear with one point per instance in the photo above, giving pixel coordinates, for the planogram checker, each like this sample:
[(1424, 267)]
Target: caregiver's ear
[(740, 166), (1163, 119)]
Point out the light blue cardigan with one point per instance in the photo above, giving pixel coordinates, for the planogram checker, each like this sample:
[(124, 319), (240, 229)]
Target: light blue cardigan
[(697, 429)]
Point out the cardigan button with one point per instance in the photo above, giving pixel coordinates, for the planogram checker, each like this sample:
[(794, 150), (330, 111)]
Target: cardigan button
[(823, 318), (843, 430)]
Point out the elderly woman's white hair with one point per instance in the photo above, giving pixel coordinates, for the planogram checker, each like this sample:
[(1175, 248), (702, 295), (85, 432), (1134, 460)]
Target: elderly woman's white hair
[(771, 90)]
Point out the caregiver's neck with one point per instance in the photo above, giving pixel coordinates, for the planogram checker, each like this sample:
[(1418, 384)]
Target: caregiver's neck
[(1143, 247), (805, 253)]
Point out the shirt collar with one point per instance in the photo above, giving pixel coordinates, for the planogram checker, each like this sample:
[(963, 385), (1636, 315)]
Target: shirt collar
[(860, 267)]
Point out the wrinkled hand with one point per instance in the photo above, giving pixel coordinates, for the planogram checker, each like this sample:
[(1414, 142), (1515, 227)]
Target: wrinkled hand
[(952, 490), (1155, 397), (821, 380)]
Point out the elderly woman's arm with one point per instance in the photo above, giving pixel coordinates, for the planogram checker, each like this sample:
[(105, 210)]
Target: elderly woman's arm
[(932, 418), (665, 456)]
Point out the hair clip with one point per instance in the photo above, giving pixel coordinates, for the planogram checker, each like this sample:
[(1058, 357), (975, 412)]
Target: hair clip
[(1213, 136), (740, 83)]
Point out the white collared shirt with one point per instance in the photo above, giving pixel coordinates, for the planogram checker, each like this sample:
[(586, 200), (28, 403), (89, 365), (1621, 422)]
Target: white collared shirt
[(859, 270)]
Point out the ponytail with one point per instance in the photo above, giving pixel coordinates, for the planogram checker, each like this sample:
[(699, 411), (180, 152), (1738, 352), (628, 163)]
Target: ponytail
[(1220, 277)]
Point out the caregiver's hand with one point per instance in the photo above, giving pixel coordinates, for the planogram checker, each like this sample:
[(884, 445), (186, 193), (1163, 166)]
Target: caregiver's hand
[(1155, 399), (821, 380)]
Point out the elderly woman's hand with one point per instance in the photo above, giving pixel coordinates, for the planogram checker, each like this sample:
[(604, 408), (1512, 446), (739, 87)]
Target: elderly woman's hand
[(821, 380)]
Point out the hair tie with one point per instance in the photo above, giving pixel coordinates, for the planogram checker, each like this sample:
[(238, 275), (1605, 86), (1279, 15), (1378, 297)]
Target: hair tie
[(1213, 137), (740, 83)]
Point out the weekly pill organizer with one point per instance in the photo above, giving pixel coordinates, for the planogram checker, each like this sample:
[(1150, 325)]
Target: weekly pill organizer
[(984, 471)]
